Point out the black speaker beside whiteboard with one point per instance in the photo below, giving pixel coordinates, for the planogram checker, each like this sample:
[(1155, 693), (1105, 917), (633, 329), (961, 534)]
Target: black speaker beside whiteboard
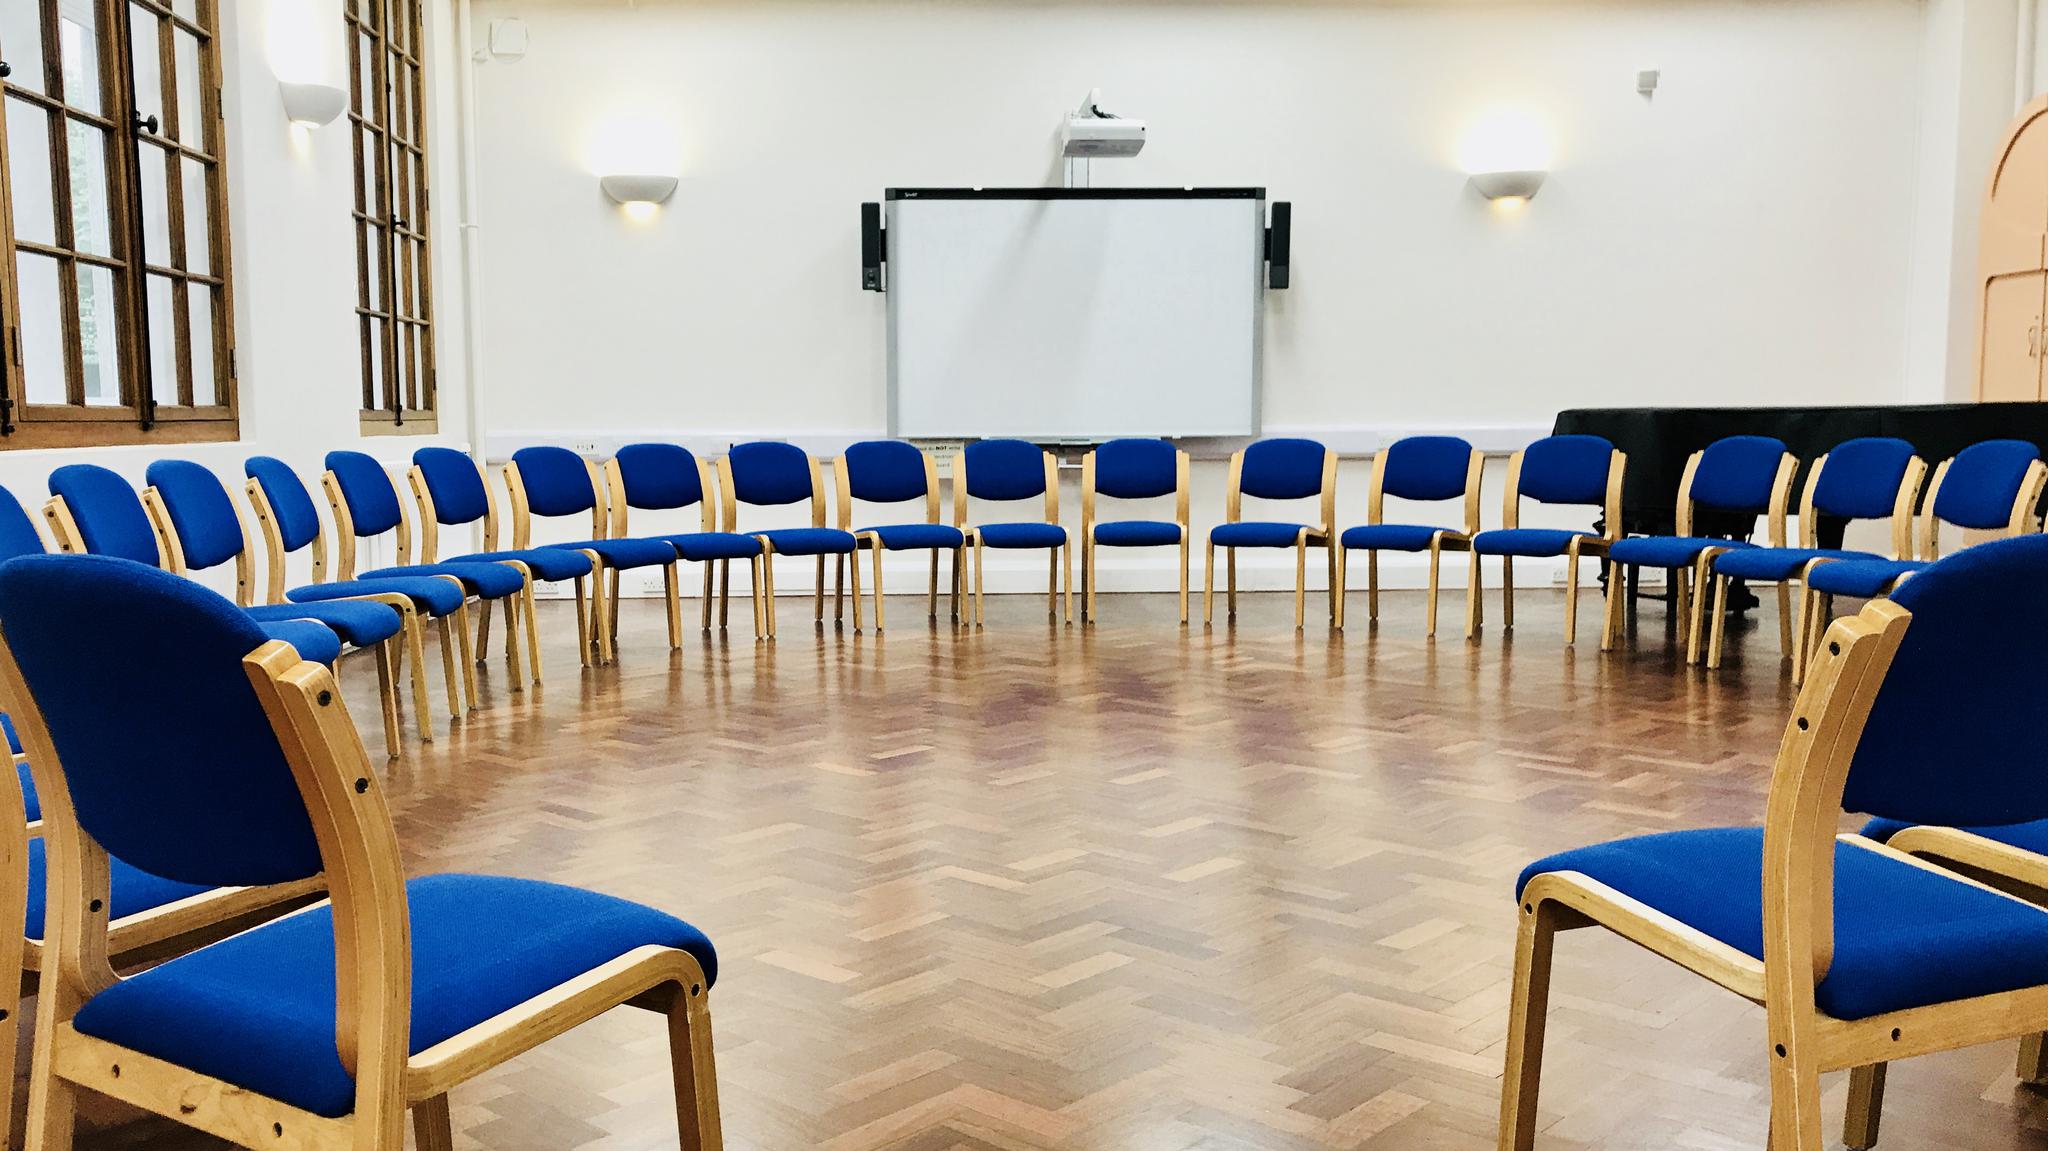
[(1076, 314)]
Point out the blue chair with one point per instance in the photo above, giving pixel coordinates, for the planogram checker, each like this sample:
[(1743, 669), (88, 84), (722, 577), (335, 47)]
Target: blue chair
[(894, 472), (1861, 479), (451, 491), (1857, 953), (767, 473), (92, 510), (1993, 486), (1425, 469), (1563, 470), (668, 477), (1133, 469), (198, 529), (1006, 471), (290, 523), (1742, 475), (1279, 469), (548, 482), (199, 750), (364, 504)]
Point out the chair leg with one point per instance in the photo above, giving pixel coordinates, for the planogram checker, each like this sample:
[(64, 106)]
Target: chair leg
[(1067, 581), (1230, 584), (1610, 615), (839, 589), (1720, 623), (2033, 1060), (931, 596), (1341, 557), (1571, 598), (1701, 578), (1183, 579), (387, 693), (853, 585), (1866, 1106), (1209, 586), (532, 633), (1087, 581), (1436, 555), (1473, 608), (725, 597), (582, 625), (1330, 577), (483, 632), (512, 604), (818, 595), (1300, 581), (1803, 624), (604, 598), (1052, 583), (979, 619), (1785, 634), (1795, 1100), (1372, 587), (416, 654), (877, 567), (696, 1073), (613, 595), (768, 588), (705, 609), (1507, 593), (958, 567), (449, 675), (1527, 1011), (759, 585), (670, 577), (52, 1101), (468, 656), (431, 1129)]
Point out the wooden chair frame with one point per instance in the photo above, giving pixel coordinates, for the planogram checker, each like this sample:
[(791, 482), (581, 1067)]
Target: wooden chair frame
[(1817, 608), (366, 882), (1807, 785), (1791, 631), (430, 550), (841, 482), (596, 625), (1324, 536), (1439, 543), (728, 502), (615, 488), (1088, 498), (1689, 584), (1056, 558), (1580, 545), (274, 549)]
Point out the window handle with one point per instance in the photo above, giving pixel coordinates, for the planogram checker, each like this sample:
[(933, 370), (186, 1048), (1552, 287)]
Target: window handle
[(146, 123)]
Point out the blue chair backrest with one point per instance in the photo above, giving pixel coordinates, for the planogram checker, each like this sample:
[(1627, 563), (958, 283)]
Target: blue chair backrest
[(1862, 477), (1004, 469), (168, 757), (1982, 482), (366, 488), (557, 481), (885, 472), (1283, 469), (1947, 742), (659, 476), (454, 484), (18, 536), (291, 506), (1738, 473), (766, 473), (202, 512), (1427, 468), (1566, 470), (108, 512), (1136, 469)]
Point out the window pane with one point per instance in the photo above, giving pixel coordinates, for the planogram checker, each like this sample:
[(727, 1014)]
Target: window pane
[(198, 251), (99, 335), (42, 328), (28, 165), (189, 9), (191, 96), (78, 45), (163, 341), (149, 82), (92, 225), (21, 34), (367, 177), (376, 269), (377, 363), (366, 59), (156, 195), (199, 299)]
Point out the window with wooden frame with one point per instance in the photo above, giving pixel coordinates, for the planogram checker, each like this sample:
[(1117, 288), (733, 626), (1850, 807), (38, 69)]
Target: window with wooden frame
[(118, 314), (394, 280)]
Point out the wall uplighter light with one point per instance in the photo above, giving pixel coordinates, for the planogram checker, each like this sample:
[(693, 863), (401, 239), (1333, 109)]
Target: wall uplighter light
[(639, 194), (1506, 152), (312, 105)]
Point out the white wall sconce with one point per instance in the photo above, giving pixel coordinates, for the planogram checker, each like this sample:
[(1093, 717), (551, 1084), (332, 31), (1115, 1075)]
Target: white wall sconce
[(1518, 185), (639, 194), (312, 105)]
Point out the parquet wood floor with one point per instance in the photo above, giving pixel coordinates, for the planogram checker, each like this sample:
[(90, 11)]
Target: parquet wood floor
[(1133, 888)]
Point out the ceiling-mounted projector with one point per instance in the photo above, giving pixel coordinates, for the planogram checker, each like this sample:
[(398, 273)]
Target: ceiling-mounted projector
[(1091, 132)]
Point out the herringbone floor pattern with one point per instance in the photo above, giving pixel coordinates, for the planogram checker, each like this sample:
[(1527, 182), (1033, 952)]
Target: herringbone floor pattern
[(1129, 888)]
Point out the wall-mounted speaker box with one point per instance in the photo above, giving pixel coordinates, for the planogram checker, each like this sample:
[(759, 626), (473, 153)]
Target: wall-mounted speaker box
[(871, 251), (1278, 242)]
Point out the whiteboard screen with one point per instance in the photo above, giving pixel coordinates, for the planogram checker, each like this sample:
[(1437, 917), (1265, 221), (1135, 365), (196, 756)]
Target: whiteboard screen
[(1048, 315)]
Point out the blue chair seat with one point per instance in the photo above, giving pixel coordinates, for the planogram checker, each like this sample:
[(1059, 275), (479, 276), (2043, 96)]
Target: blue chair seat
[(1536, 543), (358, 622), (1024, 535), (1255, 534), (431, 594), (1778, 563), (488, 580), (130, 890), (1861, 577), (917, 537), (2025, 836), (545, 563), (809, 541), (1666, 551), (313, 641), (1904, 936), (698, 547), (1137, 534), (1389, 537), (257, 1009), (626, 554)]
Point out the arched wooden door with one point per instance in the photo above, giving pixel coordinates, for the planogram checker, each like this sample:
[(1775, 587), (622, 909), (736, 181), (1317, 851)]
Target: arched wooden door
[(2012, 262)]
